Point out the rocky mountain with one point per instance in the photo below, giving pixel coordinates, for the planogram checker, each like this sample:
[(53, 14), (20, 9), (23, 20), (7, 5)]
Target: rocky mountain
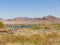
[(50, 17), (25, 20)]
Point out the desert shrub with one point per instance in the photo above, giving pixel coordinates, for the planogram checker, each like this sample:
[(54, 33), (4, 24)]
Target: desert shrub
[(1, 25), (35, 27), (46, 27)]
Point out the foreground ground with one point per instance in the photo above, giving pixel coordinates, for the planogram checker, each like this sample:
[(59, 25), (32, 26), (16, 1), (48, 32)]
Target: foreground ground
[(29, 36)]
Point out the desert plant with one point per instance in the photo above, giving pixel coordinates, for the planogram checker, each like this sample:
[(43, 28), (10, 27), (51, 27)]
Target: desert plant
[(1, 25)]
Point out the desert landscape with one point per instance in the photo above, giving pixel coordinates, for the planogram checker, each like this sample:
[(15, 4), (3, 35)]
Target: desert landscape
[(29, 22), (32, 31)]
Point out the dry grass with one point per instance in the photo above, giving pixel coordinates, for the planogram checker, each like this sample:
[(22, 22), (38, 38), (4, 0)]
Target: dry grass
[(47, 35), (37, 39)]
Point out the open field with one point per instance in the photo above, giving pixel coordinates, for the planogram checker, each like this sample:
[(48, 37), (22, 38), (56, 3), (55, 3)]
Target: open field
[(45, 35), (35, 38)]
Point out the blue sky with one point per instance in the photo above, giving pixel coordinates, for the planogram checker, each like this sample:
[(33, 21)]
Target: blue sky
[(29, 8)]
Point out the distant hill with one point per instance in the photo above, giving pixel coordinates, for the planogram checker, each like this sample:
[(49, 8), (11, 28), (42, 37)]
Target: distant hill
[(1, 19), (25, 20), (50, 17)]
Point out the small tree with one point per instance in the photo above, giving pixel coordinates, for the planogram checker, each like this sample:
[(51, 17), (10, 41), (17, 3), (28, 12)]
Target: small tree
[(1, 25)]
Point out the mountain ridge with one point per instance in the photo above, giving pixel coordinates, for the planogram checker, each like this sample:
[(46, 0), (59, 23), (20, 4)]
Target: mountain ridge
[(25, 20)]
